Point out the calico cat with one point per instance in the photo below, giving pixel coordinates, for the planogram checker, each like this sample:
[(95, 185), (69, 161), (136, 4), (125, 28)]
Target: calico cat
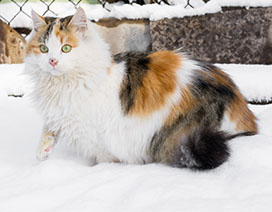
[(132, 107)]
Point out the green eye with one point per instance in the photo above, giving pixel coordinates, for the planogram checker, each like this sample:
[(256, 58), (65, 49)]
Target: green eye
[(66, 48), (43, 48)]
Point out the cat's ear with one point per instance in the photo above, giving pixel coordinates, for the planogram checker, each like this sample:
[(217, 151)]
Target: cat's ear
[(79, 20), (38, 21)]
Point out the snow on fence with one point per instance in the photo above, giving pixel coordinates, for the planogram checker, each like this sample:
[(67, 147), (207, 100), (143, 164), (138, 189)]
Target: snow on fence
[(17, 13), (210, 35), (13, 10)]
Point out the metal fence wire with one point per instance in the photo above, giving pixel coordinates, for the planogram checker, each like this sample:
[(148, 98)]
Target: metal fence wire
[(48, 3), (23, 3)]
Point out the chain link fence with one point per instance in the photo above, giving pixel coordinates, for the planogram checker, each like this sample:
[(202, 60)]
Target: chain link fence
[(20, 4)]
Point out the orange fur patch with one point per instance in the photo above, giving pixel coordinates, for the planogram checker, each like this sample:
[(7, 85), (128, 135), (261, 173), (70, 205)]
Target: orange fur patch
[(222, 78), (109, 68), (66, 37), (240, 114), (158, 84), (34, 45)]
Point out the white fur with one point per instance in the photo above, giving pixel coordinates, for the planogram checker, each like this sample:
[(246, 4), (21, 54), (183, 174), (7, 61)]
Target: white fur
[(187, 70), (80, 101), (228, 126), (37, 20)]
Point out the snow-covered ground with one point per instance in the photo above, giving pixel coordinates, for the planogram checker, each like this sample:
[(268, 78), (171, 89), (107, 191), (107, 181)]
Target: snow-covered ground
[(65, 182), (120, 10), (254, 81)]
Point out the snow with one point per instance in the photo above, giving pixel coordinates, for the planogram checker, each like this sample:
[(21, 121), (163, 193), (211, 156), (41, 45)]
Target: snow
[(65, 182), (243, 3), (119, 10), (254, 81), (12, 80)]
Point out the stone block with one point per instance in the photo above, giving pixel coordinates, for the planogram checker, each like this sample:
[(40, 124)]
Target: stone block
[(233, 36), (11, 45), (125, 35)]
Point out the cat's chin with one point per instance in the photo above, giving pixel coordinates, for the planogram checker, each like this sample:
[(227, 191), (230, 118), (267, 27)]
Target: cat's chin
[(55, 73)]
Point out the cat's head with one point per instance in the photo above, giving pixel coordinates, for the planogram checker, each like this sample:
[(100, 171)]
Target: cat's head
[(54, 45)]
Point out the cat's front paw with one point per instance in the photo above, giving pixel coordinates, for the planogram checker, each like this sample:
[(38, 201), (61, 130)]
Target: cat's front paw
[(46, 147)]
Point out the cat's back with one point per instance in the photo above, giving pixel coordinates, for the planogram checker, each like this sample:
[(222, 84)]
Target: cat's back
[(151, 80), (169, 83)]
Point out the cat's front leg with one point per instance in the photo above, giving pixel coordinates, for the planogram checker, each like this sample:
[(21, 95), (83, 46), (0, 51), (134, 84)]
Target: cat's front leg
[(46, 146)]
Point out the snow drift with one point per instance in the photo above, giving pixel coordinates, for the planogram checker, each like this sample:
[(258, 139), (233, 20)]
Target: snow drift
[(66, 183)]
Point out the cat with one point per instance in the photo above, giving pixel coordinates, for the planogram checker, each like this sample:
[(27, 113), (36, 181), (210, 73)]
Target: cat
[(136, 108)]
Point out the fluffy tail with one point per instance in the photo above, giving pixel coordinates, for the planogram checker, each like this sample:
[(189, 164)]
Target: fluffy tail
[(203, 149)]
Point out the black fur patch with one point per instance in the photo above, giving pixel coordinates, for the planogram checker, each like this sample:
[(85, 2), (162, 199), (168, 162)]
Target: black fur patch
[(66, 19), (136, 68), (51, 21), (64, 22), (213, 95), (213, 85), (214, 88), (50, 25), (220, 111), (203, 149), (242, 134)]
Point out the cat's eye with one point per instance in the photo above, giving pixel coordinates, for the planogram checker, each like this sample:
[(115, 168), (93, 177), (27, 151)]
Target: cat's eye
[(66, 48), (43, 48)]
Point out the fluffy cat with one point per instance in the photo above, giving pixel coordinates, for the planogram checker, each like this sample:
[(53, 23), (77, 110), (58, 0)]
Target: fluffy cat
[(131, 107)]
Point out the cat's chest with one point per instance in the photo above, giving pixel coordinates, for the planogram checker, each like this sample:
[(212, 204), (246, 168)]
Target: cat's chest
[(96, 119), (80, 110)]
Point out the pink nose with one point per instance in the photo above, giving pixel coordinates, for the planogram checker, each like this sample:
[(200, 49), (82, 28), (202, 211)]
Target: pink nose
[(53, 62)]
